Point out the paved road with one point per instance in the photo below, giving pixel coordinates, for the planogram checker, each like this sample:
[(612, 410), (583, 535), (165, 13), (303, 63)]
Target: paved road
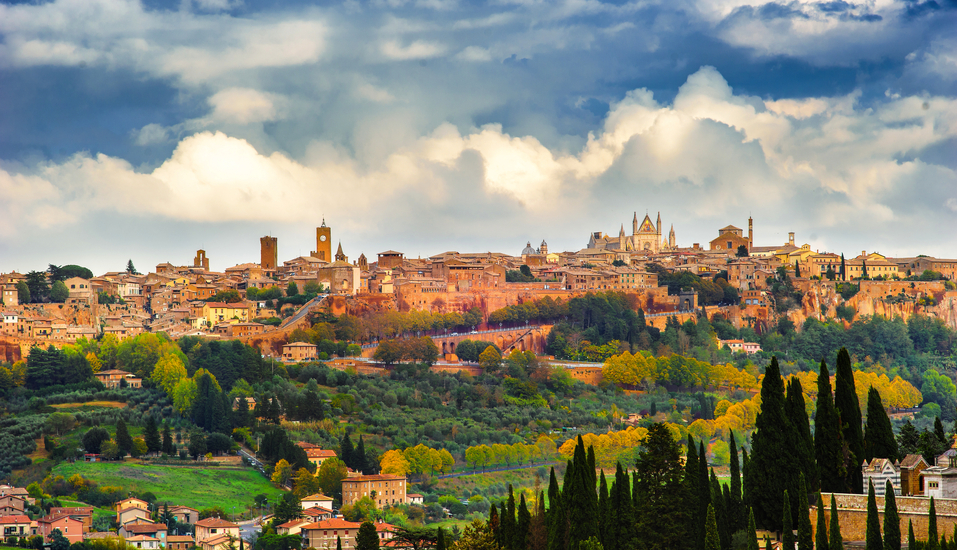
[(303, 311)]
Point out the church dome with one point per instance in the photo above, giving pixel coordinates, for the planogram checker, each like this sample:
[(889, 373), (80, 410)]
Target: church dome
[(528, 249)]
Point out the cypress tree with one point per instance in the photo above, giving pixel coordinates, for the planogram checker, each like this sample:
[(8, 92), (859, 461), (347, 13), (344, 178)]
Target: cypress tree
[(494, 524), (338, 543), (820, 537), (805, 536), (704, 489), (933, 543), (583, 504), (752, 532), (717, 508), (604, 512), (728, 529), (625, 510), (538, 530), (711, 539), (872, 539), (828, 439), (440, 543), (523, 527), (555, 516), (879, 441), (772, 467), (847, 404), (835, 541), (123, 439), (735, 508), (787, 534), (911, 539), (167, 440), (892, 525), (151, 436), (803, 446), (692, 483), (767, 543), (506, 521), (939, 431), (346, 451), (360, 457)]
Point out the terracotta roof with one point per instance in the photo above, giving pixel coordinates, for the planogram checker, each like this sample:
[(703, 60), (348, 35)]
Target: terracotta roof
[(171, 508), (215, 541), (76, 511), (146, 527), (911, 461), (316, 511), (215, 522), (334, 523), (378, 477), (317, 496), (294, 523), (179, 538), (6, 520)]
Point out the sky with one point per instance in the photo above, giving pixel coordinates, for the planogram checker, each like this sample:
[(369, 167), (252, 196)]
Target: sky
[(148, 129)]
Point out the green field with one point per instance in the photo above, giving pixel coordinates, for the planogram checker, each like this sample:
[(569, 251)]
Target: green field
[(233, 490)]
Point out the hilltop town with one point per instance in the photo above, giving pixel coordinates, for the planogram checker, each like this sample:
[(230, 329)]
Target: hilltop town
[(732, 276), (422, 401)]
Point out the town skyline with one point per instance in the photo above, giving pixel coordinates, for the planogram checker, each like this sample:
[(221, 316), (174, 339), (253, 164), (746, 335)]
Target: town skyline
[(426, 126), (233, 248)]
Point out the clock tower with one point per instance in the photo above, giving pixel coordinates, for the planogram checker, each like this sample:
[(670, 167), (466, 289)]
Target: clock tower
[(323, 243)]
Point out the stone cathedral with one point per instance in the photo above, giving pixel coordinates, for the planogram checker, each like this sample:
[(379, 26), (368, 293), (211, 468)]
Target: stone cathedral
[(645, 236)]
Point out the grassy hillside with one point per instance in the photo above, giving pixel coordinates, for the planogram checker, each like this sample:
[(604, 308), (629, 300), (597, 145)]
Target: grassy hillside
[(233, 490)]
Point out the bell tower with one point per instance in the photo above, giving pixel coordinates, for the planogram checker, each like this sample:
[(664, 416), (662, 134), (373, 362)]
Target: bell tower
[(323, 243)]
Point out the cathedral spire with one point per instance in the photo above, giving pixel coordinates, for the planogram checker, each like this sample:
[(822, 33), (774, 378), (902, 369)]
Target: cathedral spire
[(634, 224)]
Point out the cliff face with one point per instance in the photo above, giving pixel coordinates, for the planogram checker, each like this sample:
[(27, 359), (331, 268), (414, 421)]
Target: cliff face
[(887, 299)]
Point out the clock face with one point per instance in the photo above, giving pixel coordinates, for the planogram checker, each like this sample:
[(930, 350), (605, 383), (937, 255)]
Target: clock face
[(322, 238)]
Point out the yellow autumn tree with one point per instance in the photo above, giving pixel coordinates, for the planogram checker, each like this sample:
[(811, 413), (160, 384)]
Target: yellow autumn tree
[(393, 462)]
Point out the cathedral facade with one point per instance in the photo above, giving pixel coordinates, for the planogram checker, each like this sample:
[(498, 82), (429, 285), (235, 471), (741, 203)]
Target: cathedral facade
[(645, 237)]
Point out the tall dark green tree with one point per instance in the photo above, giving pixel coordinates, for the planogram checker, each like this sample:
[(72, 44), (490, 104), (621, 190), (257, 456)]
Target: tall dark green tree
[(582, 502), (623, 512), (659, 491), (828, 439), (704, 486), (892, 525), (167, 440), (752, 532), (820, 536), (151, 436), (872, 536), (787, 529), (803, 446), (692, 484), (346, 450), (523, 526), (911, 539), (712, 540), (933, 540), (772, 467), (367, 538), (555, 516), (506, 522), (835, 540), (805, 534), (604, 512), (879, 441), (849, 407), (720, 514), (123, 439), (736, 510), (440, 543)]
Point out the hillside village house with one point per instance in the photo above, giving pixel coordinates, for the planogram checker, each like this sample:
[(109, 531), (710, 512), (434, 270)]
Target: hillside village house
[(213, 532), (221, 312), (317, 456), (17, 526), (327, 533), (179, 542), (297, 352), (83, 514), (317, 500), (383, 489), (114, 378), (184, 514), (69, 527)]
